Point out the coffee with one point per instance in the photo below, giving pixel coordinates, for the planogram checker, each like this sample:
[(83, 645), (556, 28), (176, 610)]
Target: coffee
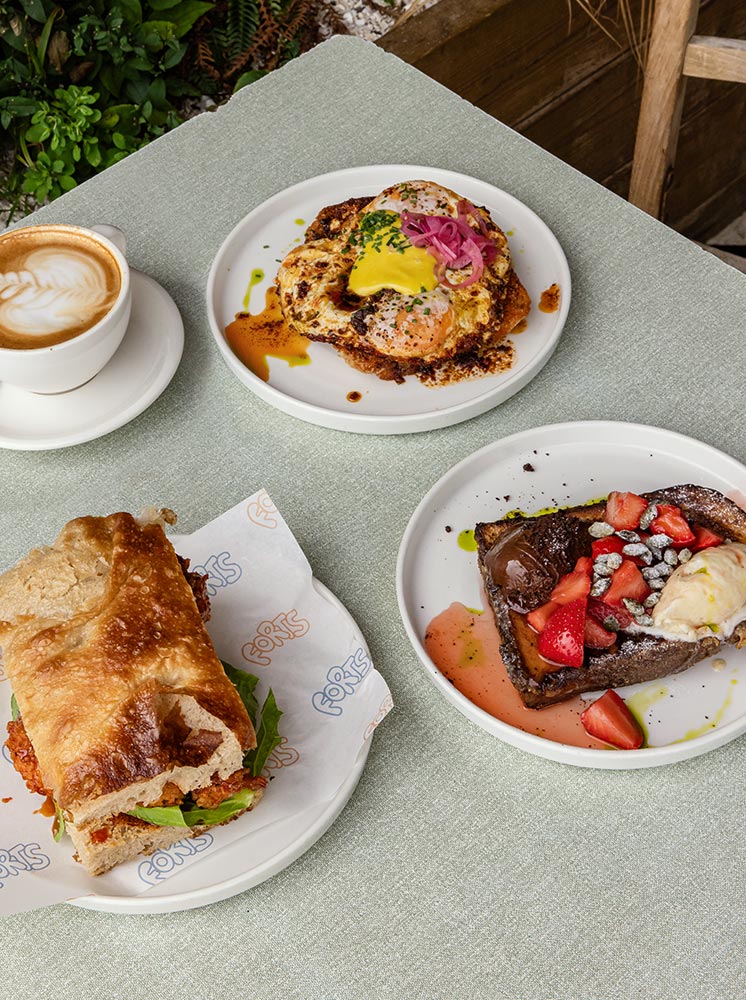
[(54, 285)]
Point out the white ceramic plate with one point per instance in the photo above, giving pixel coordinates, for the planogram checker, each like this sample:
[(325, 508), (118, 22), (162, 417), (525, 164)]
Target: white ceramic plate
[(135, 377), (318, 392), (250, 860), (572, 463)]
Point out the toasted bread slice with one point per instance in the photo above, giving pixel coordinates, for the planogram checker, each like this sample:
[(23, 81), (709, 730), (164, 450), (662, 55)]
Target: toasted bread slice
[(558, 540)]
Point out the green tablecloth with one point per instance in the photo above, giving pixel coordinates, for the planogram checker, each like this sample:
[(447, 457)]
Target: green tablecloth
[(461, 867)]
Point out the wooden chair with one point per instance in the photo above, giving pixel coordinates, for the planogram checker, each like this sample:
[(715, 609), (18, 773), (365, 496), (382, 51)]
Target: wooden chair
[(674, 53)]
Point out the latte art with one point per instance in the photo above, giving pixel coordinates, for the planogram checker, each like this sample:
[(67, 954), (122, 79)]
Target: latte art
[(54, 289)]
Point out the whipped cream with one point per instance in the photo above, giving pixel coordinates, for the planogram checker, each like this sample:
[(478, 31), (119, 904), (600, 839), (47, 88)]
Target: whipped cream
[(705, 596), (58, 289)]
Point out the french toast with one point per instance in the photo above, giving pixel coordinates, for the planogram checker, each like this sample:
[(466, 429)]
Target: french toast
[(521, 560)]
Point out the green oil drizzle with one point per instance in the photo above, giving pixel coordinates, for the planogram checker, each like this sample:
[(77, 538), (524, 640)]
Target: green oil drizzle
[(712, 723), (300, 222), (517, 512), (472, 653), (467, 541), (642, 702), (257, 275), (593, 502), (475, 611)]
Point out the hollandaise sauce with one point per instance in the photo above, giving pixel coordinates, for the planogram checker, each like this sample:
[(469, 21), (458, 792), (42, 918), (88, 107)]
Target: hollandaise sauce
[(388, 260), (465, 646), (255, 338)]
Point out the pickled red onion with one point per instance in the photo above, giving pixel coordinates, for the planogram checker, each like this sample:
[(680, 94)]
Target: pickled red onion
[(452, 241)]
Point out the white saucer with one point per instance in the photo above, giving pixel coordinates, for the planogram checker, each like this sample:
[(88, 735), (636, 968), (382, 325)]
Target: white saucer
[(318, 392), (134, 378), (255, 857), (562, 465)]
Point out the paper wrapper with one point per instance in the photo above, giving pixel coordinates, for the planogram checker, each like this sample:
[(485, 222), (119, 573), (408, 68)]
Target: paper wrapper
[(270, 618)]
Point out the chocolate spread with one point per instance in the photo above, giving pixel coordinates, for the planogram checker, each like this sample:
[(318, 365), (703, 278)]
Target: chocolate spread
[(516, 566)]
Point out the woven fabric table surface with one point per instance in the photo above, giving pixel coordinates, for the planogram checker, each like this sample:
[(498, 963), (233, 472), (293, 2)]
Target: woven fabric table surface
[(462, 867)]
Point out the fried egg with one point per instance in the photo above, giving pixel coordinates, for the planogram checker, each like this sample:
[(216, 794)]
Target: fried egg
[(358, 283), (417, 196)]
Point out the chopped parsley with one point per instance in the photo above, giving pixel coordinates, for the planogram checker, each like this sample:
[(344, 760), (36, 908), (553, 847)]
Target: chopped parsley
[(375, 230), (408, 193)]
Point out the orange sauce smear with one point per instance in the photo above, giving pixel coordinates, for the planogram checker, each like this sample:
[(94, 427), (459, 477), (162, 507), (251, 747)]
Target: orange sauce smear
[(47, 808), (254, 338), (466, 649), (520, 327), (550, 299), (354, 396)]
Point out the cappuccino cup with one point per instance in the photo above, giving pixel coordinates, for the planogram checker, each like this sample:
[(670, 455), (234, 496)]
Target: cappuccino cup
[(65, 302)]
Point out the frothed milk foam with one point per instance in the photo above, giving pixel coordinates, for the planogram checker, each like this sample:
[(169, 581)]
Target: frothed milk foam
[(54, 285)]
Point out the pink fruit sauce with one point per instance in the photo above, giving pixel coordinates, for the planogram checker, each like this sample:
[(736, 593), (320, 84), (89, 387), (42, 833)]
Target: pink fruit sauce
[(466, 649)]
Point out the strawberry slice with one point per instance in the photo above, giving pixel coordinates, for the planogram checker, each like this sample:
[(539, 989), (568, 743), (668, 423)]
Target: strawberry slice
[(605, 546), (624, 510), (596, 636), (571, 587), (704, 538), (599, 611), (627, 581), (538, 618), (562, 638), (610, 720), (584, 565), (670, 521)]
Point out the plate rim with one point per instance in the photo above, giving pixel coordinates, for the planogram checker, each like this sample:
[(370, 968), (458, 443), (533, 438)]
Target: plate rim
[(236, 884), (367, 423), (159, 384), (537, 745)]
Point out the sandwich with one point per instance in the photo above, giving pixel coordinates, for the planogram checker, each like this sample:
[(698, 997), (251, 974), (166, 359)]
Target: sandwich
[(123, 715), (616, 592)]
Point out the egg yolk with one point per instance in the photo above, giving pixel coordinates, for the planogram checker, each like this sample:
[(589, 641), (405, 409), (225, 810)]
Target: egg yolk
[(408, 270), (417, 334)]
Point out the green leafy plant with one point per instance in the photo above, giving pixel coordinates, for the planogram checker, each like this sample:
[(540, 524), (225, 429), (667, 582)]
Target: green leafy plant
[(84, 85), (242, 40)]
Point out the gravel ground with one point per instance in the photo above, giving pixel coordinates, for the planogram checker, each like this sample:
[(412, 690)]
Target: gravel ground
[(372, 18)]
